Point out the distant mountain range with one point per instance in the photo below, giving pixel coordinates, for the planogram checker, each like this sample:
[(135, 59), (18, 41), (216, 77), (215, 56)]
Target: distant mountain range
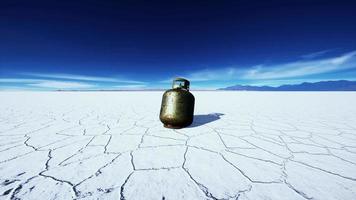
[(341, 85)]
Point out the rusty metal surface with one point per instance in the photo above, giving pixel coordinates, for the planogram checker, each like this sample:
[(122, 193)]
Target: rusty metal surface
[(177, 108)]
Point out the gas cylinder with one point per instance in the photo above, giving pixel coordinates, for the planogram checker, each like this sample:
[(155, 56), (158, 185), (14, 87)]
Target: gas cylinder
[(177, 108)]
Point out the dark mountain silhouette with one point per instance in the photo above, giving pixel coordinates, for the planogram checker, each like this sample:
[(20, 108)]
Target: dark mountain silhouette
[(341, 85)]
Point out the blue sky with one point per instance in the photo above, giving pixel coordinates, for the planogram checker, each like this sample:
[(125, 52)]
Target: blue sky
[(49, 45)]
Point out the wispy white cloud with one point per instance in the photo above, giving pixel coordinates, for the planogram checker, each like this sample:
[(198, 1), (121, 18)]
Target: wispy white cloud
[(82, 78), (316, 54), (302, 68), (295, 69), (215, 74), (61, 85), (43, 83), (69, 82), (19, 80)]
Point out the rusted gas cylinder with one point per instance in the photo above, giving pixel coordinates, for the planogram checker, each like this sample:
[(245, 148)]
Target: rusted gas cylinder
[(177, 108)]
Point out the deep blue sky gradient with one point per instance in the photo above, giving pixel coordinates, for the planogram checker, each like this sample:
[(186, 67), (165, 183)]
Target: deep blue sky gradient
[(146, 43)]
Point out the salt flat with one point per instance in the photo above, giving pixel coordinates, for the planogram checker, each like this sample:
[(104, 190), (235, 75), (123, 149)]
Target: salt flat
[(242, 145)]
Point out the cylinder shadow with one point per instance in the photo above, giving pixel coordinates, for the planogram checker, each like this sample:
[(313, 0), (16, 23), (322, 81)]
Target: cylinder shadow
[(200, 120)]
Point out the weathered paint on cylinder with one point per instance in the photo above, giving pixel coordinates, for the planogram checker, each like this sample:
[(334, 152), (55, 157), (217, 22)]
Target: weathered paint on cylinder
[(177, 109)]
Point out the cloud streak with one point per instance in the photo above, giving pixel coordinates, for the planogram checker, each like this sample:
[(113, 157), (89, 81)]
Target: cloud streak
[(61, 85), (303, 68), (295, 69), (316, 54), (83, 78), (18, 80), (44, 83), (69, 81)]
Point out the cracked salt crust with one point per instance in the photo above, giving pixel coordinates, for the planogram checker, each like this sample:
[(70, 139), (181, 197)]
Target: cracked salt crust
[(111, 145)]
